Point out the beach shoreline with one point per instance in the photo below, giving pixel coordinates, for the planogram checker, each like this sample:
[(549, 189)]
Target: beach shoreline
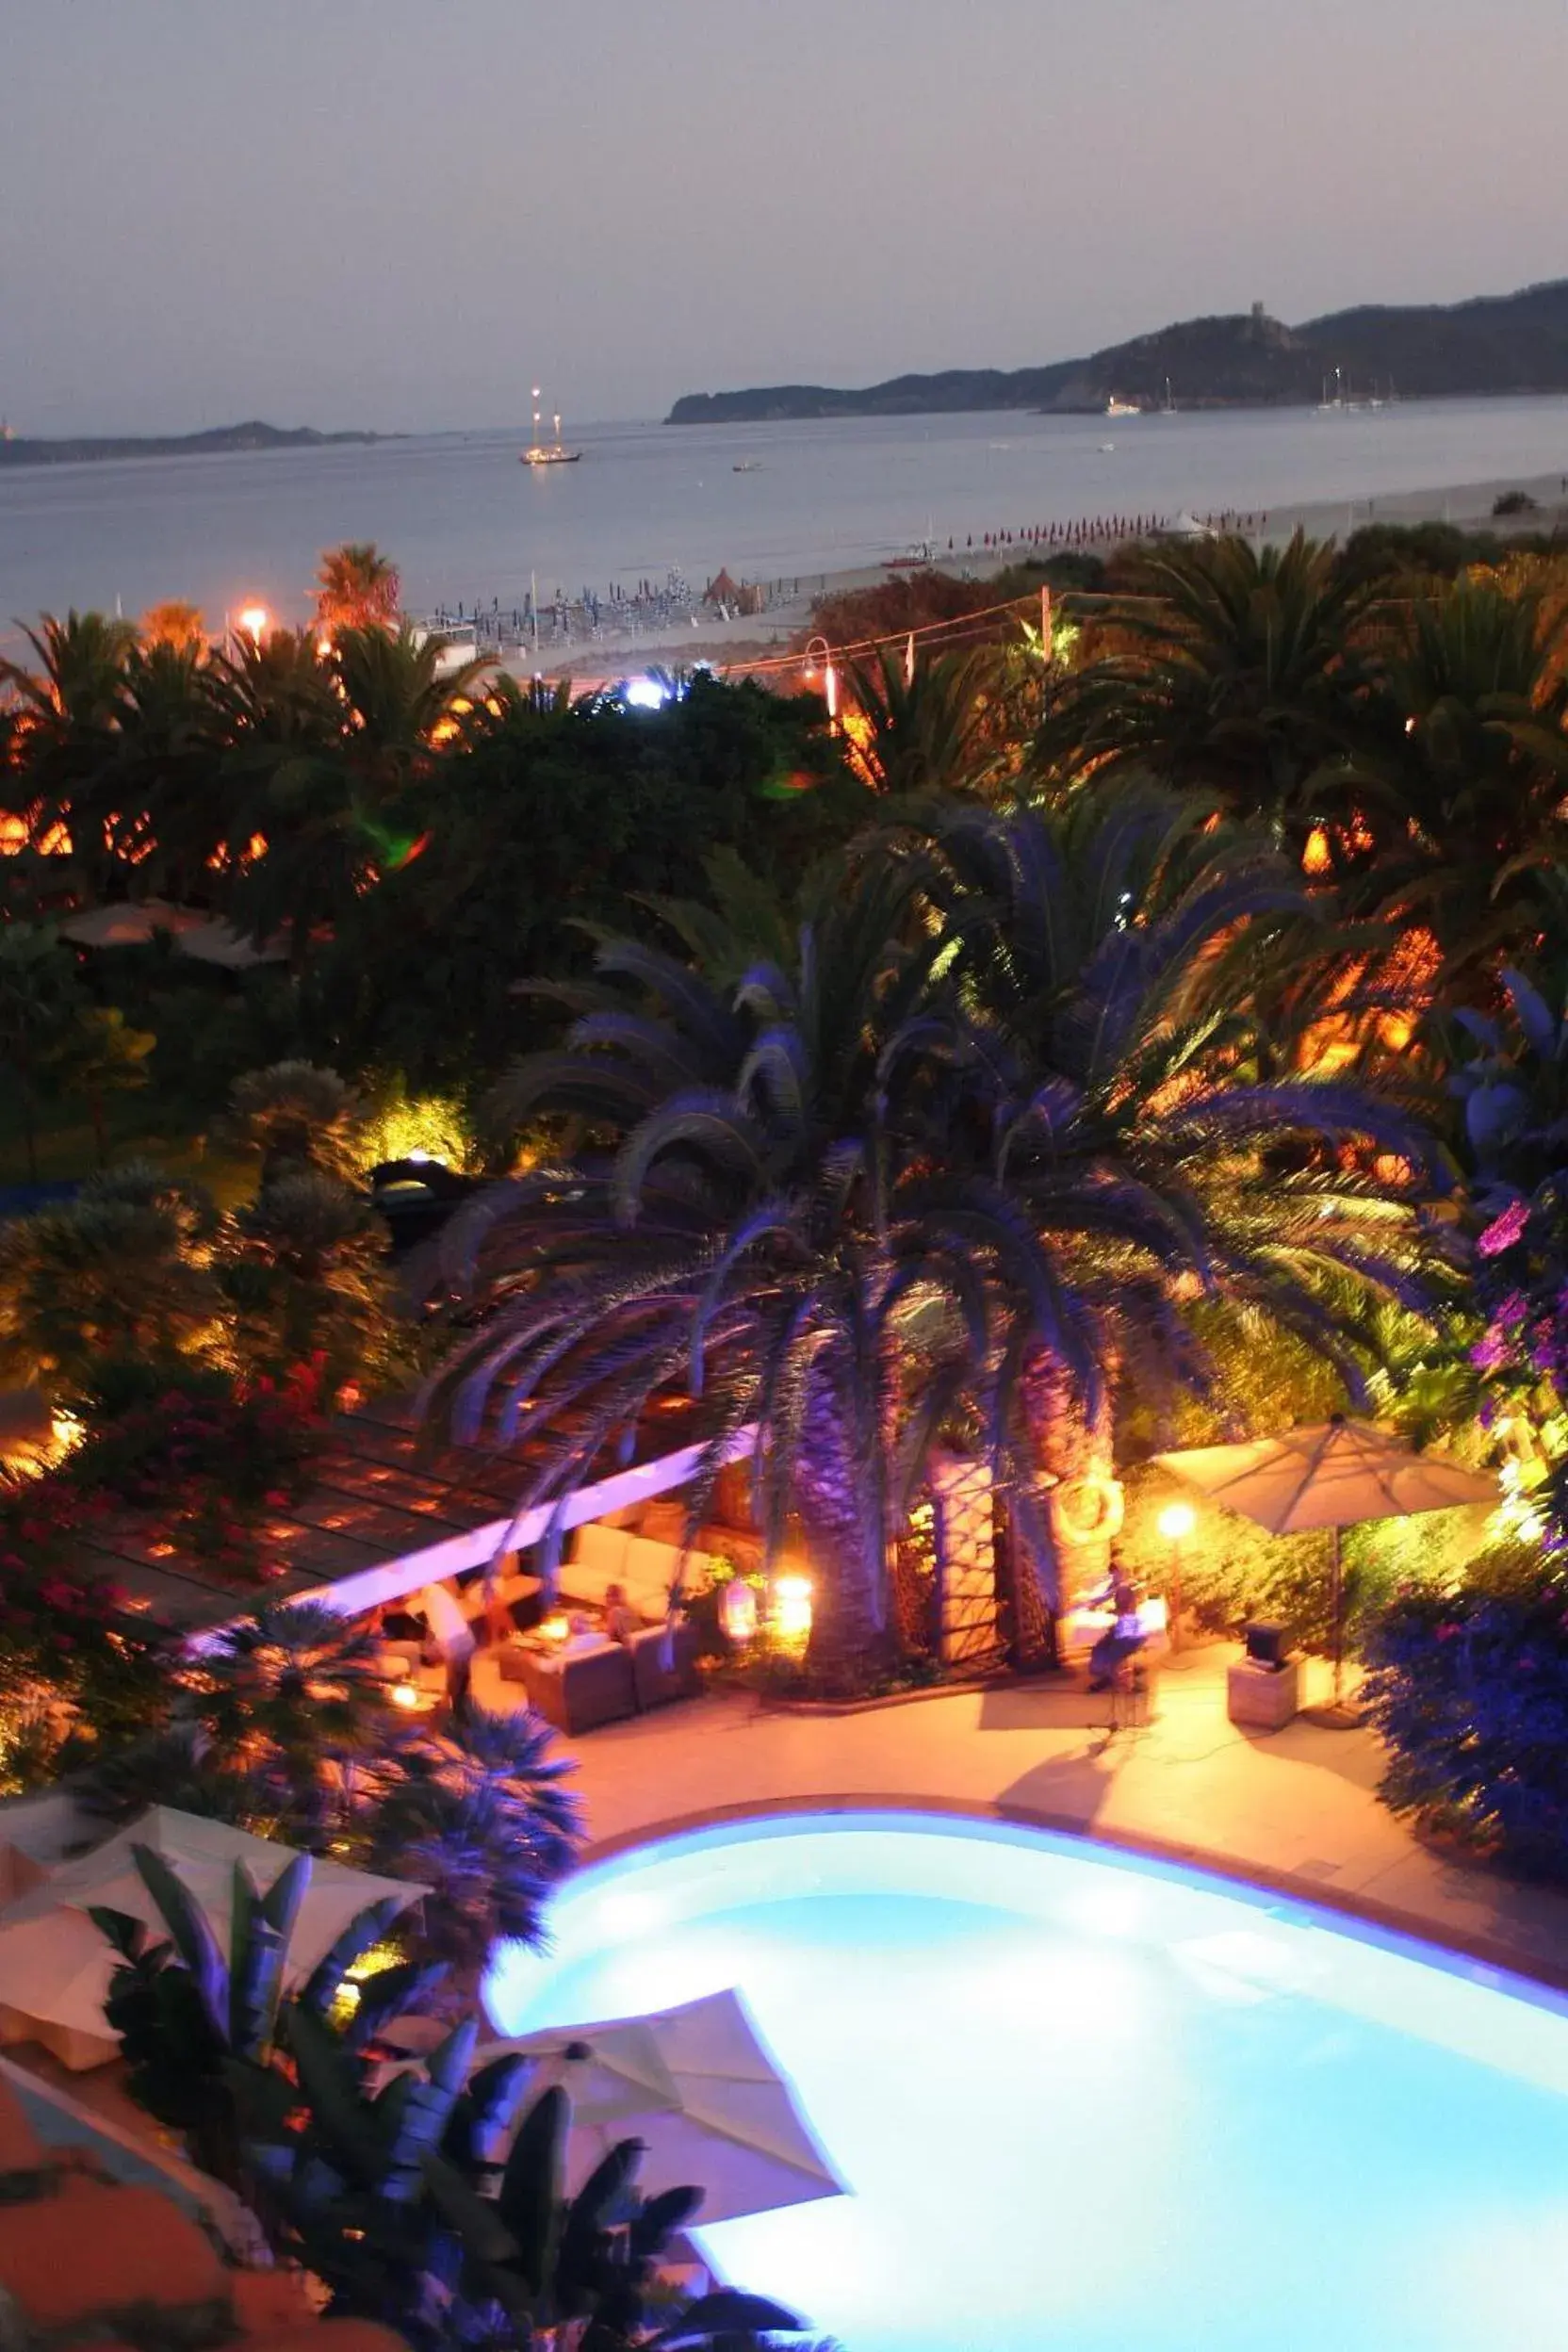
[(751, 639)]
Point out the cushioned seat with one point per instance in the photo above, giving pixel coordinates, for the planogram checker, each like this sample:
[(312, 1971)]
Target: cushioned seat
[(656, 1680), (603, 1556), (576, 1690)]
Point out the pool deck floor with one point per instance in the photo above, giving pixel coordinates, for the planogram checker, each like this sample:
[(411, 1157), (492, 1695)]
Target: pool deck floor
[(1296, 1808)]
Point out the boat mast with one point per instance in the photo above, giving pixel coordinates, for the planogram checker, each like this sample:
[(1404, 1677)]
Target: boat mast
[(537, 415), (557, 428)]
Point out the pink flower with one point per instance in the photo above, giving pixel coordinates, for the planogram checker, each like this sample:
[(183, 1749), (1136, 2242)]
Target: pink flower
[(1505, 1231)]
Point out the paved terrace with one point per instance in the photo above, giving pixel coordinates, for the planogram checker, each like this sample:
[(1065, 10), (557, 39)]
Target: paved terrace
[(1296, 1808)]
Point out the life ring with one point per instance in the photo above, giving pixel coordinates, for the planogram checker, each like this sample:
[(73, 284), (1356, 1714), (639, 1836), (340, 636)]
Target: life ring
[(1088, 1510)]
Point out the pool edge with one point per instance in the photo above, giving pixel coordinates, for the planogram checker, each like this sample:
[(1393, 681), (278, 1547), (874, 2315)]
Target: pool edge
[(1482, 1951)]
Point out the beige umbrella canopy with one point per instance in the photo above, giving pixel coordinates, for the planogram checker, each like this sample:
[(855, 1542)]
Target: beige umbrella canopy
[(55, 1965), (1331, 1473), (697, 2088)]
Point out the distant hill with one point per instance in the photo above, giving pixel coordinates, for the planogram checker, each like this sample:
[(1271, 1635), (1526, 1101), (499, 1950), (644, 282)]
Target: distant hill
[(1496, 344), (22, 452)]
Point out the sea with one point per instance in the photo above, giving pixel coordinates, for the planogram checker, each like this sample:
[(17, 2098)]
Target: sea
[(793, 502)]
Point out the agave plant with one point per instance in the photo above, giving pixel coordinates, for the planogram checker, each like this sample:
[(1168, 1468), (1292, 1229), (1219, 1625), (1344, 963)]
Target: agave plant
[(195, 2023)]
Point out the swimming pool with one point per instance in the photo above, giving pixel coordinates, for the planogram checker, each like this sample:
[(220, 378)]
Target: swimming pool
[(1088, 2101)]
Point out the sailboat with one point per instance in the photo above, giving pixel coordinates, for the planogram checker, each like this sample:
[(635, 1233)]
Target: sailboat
[(546, 452)]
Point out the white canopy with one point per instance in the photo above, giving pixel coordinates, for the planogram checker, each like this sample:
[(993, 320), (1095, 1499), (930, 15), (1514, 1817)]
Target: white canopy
[(128, 924), (55, 1966), (696, 2084), (1328, 1474)]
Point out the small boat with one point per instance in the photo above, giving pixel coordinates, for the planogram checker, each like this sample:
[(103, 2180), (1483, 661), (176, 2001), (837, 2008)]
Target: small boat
[(747, 465), (914, 558), (1121, 408), (546, 452)]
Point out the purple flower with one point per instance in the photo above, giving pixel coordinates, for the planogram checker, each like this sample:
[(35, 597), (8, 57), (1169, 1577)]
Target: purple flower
[(1505, 1231)]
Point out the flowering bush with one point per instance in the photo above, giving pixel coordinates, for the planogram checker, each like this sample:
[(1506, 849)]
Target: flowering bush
[(68, 1658), (1470, 1693), (210, 1458)]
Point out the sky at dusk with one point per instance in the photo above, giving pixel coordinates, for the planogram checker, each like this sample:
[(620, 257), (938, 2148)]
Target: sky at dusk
[(400, 213)]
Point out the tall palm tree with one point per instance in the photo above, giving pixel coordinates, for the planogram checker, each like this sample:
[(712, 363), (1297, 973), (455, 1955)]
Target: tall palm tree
[(1458, 813), (171, 814), (850, 1203), (1100, 949), (1237, 669), (357, 587), (64, 727)]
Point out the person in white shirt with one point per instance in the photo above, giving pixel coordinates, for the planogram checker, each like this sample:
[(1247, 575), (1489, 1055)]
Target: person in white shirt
[(1124, 1637)]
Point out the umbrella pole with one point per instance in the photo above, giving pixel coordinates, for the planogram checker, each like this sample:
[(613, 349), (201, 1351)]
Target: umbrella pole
[(1337, 1631)]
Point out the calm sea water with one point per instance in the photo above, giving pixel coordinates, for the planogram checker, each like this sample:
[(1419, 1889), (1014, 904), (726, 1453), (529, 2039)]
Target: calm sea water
[(467, 522)]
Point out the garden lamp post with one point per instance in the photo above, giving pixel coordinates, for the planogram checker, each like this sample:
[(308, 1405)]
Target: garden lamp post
[(1176, 1523)]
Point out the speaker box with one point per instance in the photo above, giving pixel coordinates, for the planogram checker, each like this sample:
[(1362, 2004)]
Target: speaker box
[(1266, 1643)]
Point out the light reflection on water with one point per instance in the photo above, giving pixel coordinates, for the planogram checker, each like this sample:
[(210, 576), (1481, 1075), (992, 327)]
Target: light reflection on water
[(1087, 2102)]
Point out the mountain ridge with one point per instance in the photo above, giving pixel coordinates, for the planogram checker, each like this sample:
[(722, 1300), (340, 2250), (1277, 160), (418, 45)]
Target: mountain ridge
[(1488, 344), (19, 449)]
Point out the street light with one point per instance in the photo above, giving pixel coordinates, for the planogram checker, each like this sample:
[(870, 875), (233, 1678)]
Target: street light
[(1176, 1523), (253, 619), (830, 676)]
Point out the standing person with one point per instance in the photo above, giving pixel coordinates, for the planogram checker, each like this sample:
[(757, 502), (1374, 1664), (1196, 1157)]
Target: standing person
[(454, 1638)]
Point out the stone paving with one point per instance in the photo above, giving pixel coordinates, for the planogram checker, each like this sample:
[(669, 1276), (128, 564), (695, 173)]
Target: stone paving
[(1297, 1809)]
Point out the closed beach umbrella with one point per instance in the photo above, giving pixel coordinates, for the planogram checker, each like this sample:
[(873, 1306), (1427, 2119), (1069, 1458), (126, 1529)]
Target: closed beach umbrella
[(55, 1966), (696, 2086), (1331, 1473)]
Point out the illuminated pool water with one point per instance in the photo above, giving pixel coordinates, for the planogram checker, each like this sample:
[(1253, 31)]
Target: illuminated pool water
[(1086, 2101)]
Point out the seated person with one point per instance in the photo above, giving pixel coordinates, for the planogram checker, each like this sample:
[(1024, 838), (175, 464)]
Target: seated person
[(581, 1634), (1126, 1636), (620, 1620)]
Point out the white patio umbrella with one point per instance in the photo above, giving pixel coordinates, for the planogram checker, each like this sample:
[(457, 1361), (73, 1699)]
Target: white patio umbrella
[(55, 1966), (697, 2086), (1329, 1473)]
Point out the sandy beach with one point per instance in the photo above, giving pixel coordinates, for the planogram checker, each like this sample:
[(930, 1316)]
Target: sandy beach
[(757, 638)]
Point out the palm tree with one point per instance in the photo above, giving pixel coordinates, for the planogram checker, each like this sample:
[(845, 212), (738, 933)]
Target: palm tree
[(294, 1114), (296, 851), (480, 1816), (357, 588), (175, 627), (167, 781), (1460, 812), (920, 727), (294, 1698), (97, 1056), (38, 998), (854, 1204), (121, 1271), (304, 1268), (1235, 669), (64, 724)]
